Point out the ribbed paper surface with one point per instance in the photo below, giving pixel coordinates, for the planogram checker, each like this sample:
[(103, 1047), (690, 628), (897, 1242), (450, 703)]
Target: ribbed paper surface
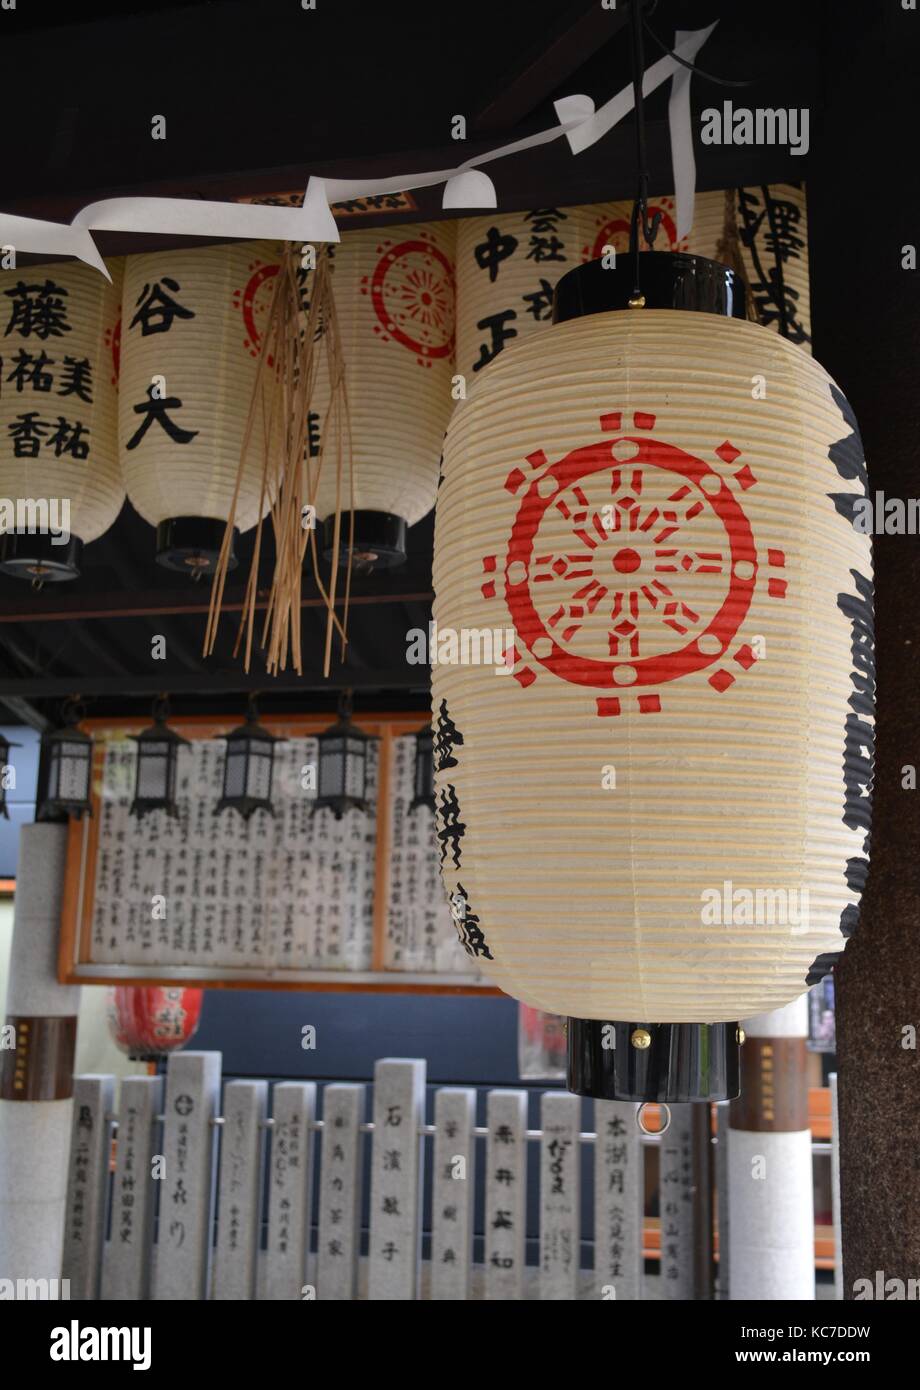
[(59, 367), (508, 264), (683, 668), (394, 299), (207, 349)]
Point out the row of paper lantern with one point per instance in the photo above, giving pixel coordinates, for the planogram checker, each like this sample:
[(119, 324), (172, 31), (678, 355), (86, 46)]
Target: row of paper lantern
[(143, 386)]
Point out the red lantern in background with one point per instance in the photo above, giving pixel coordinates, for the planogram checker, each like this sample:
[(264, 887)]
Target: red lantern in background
[(148, 1022)]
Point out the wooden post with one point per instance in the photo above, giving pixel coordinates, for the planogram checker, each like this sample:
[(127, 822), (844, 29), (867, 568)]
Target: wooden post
[(864, 210)]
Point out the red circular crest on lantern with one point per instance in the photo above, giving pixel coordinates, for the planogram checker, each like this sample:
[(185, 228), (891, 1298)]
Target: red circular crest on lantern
[(632, 509), (412, 293), (252, 307), (616, 232), (152, 1021)]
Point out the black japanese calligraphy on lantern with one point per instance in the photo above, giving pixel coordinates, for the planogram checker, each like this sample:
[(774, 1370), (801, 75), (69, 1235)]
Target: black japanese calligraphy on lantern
[(848, 457), (544, 243), (540, 302), (29, 370), (157, 408), (771, 228), (451, 828), (77, 379), (497, 247), (156, 309), (69, 439), (38, 310), (446, 739), (27, 433), (472, 937), (494, 324)]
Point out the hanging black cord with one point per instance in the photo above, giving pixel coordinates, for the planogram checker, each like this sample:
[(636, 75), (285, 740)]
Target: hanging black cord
[(691, 67), (640, 218)]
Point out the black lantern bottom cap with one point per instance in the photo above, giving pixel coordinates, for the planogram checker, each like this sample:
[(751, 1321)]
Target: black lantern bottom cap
[(191, 544), (246, 805), (378, 542), (39, 557), (673, 1062)]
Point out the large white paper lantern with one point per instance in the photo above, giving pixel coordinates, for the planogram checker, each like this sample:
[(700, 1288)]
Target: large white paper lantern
[(60, 485), (394, 302), (657, 821), (191, 336)]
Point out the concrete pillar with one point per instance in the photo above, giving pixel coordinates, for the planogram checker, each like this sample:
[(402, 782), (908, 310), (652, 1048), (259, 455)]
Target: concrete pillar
[(771, 1228), (36, 1077)]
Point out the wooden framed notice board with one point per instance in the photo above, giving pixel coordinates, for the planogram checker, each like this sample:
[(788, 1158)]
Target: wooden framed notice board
[(293, 900)]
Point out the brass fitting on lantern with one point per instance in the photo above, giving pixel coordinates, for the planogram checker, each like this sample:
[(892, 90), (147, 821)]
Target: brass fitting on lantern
[(637, 301), (739, 1036), (641, 1038)]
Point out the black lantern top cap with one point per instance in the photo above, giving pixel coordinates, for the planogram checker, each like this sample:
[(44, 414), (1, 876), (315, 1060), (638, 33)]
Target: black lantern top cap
[(159, 731), (252, 730)]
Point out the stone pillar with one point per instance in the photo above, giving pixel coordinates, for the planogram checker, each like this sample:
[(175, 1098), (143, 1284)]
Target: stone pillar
[(772, 1231), (36, 1078)]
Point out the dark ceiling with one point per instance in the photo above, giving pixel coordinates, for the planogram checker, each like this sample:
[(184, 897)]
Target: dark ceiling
[(257, 97)]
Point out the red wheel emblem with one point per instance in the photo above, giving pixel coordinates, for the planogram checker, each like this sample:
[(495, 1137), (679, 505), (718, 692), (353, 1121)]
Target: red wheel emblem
[(607, 539), (413, 297), (254, 306)]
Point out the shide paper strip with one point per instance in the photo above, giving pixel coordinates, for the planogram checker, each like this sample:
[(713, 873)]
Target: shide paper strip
[(688, 43), (465, 185)]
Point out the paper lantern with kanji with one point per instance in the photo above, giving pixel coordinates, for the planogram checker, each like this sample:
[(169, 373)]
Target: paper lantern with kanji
[(150, 1021), (394, 303), (60, 484), (507, 268), (191, 337), (766, 228), (654, 818)]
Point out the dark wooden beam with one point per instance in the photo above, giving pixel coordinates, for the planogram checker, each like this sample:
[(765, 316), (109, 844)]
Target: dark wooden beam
[(548, 63), (189, 602), (214, 683)]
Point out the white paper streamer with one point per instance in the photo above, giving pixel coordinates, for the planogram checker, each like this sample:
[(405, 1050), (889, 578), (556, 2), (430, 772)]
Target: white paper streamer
[(588, 131), (466, 186), (683, 159)]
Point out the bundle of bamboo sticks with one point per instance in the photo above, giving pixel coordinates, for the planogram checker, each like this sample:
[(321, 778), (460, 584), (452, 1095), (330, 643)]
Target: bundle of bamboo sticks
[(300, 348)]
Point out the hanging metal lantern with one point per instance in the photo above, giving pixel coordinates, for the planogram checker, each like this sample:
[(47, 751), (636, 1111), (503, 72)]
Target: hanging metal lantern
[(65, 770), (5, 747), (681, 754), (248, 767), (342, 765), (394, 296), (150, 1021), (192, 324), (60, 484), (157, 758), (424, 769)]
